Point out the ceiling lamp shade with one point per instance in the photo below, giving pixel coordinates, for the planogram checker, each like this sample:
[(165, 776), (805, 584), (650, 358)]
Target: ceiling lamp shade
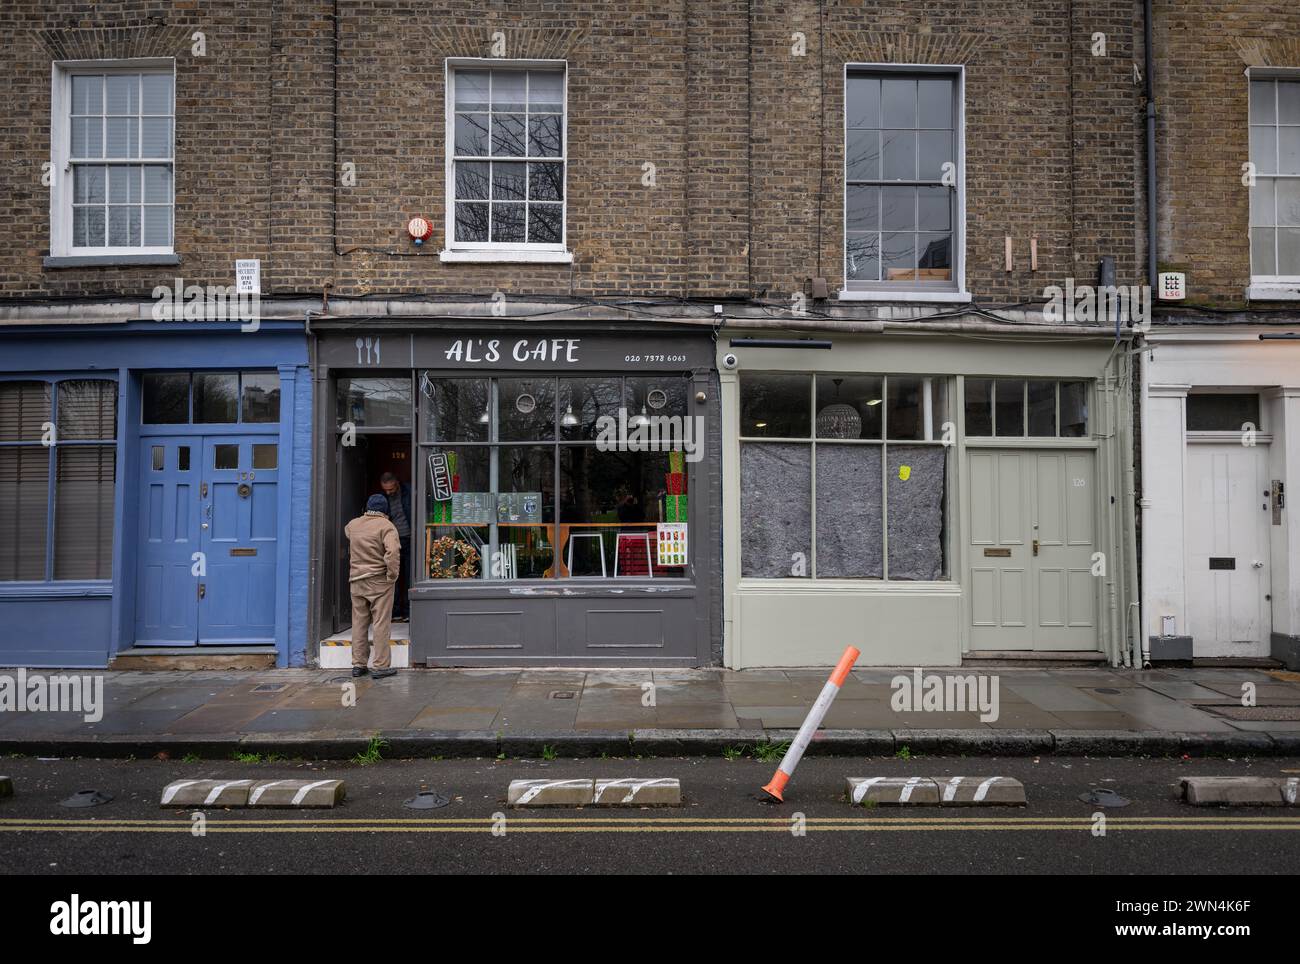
[(839, 421)]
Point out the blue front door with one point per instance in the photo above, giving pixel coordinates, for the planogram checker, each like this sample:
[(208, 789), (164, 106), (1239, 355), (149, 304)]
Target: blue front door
[(208, 540), (167, 610), (239, 538)]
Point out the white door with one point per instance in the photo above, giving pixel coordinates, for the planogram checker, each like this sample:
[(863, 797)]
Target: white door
[(1031, 579), (1227, 549)]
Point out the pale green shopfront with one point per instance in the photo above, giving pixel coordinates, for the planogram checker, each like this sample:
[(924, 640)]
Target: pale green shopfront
[(929, 495)]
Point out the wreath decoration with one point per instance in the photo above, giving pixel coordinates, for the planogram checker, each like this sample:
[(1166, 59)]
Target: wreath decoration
[(444, 545)]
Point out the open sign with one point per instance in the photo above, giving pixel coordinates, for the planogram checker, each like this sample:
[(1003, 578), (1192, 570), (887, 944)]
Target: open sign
[(440, 476)]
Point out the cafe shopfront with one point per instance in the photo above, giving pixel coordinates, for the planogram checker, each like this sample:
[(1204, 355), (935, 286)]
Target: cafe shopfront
[(560, 488)]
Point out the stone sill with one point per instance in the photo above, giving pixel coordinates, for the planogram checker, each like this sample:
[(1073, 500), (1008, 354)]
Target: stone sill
[(1273, 291), (111, 261), (506, 257)]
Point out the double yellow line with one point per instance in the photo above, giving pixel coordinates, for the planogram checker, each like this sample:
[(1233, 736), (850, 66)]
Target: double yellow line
[(639, 824)]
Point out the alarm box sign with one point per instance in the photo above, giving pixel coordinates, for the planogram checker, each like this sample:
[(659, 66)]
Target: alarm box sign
[(440, 476)]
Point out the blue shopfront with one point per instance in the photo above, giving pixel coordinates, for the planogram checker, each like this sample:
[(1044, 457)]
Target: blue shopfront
[(154, 491)]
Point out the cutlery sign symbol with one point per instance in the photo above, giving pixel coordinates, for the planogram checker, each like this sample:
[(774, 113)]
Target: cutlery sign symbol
[(369, 345)]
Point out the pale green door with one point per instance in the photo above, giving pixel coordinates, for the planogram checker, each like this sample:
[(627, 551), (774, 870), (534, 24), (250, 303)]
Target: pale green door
[(1030, 570)]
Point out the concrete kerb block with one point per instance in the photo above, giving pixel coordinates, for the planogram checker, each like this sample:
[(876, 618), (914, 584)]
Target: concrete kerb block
[(206, 793), (892, 791), (986, 742), (850, 743), (1117, 742), (1238, 743), (980, 792), (297, 794), (534, 745), (451, 744), (1285, 743), (638, 792), (1241, 791), (550, 793), (680, 742), (6, 787)]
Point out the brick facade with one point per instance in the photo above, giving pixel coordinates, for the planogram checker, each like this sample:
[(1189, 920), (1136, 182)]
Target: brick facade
[(1203, 51), (1053, 139)]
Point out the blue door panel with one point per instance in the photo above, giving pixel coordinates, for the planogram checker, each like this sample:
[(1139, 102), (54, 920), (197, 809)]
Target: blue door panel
[(262, 506), (167, 593)]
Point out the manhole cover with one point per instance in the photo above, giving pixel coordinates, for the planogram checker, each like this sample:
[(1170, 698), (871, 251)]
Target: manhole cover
[(426, 800), (1101, 797), (86, 798), (1106, 690), (269, 687), (563, 694), (1233, 711)]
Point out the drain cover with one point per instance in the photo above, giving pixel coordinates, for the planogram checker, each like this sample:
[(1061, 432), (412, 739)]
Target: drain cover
[(86, 798), (1101, 797), (1107, 690), (426, 800), (269, 687), (563, 694)]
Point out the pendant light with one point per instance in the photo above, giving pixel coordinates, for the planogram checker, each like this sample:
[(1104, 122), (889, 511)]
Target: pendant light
[(568, 419), (839, 420)]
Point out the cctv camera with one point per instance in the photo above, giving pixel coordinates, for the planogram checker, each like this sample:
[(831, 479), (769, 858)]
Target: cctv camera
[(730, 361)]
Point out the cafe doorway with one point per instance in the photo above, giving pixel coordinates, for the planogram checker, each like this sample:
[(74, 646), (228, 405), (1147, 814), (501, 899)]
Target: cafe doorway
[(360, 467)]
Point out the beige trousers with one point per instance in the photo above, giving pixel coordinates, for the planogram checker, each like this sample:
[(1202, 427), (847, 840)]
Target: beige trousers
[(372, 605)]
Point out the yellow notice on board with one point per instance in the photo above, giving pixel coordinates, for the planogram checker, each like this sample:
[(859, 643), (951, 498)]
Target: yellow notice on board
[(904, 472)]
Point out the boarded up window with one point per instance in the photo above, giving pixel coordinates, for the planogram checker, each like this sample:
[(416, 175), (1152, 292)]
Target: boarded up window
[(776, 509), (917, 480), (850, 543)]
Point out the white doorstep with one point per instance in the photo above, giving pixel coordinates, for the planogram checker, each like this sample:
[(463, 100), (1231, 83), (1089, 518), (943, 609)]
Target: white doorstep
[(336, 653)]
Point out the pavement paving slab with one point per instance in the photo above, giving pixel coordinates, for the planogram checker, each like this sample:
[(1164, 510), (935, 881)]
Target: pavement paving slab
[(1093, 709)]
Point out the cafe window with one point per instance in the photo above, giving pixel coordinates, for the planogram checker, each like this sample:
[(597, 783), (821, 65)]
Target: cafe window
[(58, 467), (843, 476), (538, 477), (210, 398), (1026, 408)]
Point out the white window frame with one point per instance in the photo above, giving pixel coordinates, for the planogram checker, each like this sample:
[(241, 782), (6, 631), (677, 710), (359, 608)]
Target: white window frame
[(917, 291), (496, 251), (1272, 287), (61, 189)]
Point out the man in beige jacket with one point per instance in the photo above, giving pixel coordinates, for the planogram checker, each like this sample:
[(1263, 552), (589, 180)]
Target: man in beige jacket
[(376, 560)]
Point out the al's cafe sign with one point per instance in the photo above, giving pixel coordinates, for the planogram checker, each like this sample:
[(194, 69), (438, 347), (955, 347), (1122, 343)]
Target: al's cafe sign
[(515, 350), (550, 351), (578, 352)]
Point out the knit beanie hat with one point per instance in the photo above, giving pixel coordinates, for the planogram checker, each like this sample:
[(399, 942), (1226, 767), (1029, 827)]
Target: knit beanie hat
[(377, 503)]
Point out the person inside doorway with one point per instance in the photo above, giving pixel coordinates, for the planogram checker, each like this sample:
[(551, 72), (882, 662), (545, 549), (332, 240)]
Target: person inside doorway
[(398, 495), (376, 562)]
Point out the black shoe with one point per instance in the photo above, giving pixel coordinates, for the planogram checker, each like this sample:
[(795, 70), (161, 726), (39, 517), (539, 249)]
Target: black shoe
[(403, 618), (382, 673), (359, 671)]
